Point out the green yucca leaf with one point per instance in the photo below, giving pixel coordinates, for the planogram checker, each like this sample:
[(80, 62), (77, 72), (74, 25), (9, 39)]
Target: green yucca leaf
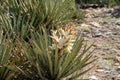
[(71, 57), (5, 22), (48, 63), (6, 72), (41, 12), (39, 71), (29, 22), (77, 61), (5, 56), (79, 74), (56, 62)]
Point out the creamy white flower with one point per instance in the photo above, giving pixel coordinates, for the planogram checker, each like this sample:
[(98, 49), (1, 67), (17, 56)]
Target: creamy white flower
[(62, 40)]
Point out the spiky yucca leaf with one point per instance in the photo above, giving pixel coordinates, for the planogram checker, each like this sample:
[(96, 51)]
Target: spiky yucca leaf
[(49, 65), (6, 73), (15, 25), (40, 12)]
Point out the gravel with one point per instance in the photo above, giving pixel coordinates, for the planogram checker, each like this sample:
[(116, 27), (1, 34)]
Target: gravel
[(102, 25)]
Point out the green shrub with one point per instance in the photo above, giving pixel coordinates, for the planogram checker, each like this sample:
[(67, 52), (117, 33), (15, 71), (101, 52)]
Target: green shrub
[(78, 15), (52, 59), (32, 53), (40, 12), (16, 27), (7, 70), (19, 17)]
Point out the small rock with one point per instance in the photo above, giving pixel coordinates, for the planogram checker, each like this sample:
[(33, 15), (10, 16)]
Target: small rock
[(89, 15), (95, 24), (117, 64), (118, 76), (118, 59), (85, 27), (118, 68), (100, 70), (108, 33), (97, 33), (107, 72), (93, 77), (118, 22), (118, 46)]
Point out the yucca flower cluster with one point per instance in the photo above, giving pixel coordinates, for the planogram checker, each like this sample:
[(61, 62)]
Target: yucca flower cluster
[(63, 39)]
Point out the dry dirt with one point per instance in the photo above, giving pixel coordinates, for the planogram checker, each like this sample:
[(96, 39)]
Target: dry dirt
[(102, 26)]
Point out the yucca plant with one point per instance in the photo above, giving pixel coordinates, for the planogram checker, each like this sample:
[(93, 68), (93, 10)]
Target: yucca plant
[(57, 57), (20, 17), (12, 59), (16, 27), (42, 56), (6, 68), (38, 12)]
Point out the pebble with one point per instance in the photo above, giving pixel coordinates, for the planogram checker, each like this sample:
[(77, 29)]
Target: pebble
[(105, 29), (93, 77), (96, 24), (100, 70), (117, 64), (97, 33), (118, 22)]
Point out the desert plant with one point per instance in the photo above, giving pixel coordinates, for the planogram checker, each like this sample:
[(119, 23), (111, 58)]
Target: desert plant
[(78, 14), (16, 27), (57, 56), (40, 12), (20, 60), (18, 17), (41, 56), (6, 68)]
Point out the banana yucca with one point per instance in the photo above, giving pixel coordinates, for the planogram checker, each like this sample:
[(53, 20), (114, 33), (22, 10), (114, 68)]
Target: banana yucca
[(63, 39)]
